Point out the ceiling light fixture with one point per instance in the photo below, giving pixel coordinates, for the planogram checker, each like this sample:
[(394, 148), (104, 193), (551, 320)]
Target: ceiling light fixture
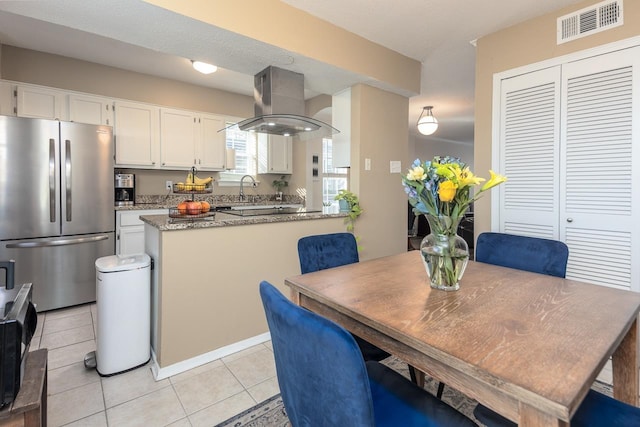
[(427, 124), (203, 67)]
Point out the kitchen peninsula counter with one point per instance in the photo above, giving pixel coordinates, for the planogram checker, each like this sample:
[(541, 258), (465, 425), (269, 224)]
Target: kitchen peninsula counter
[(222, 219), (205, 299)]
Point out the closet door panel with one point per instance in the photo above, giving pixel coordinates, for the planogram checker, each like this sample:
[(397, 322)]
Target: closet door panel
[(529, 155), (599, 146)]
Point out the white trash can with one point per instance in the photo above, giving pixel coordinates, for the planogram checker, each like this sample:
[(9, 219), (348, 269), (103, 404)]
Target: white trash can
[(123, 299)]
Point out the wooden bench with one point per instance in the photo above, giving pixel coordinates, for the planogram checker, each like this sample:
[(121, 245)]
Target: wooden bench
[(29, 409)]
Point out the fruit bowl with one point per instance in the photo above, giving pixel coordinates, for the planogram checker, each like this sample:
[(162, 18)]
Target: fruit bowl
[(183, 214), (183, 188)]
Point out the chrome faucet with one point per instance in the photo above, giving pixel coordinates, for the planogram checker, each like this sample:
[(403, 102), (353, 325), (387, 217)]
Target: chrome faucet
[(253, 181)]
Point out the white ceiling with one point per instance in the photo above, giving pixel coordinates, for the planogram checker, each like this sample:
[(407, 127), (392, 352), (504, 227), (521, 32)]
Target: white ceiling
[(137, 36)]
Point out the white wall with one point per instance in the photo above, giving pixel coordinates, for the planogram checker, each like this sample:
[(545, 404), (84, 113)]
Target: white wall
[(424, 148)]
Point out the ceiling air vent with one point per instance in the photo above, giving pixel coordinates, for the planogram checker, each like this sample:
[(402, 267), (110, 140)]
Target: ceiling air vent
[(590, 20)]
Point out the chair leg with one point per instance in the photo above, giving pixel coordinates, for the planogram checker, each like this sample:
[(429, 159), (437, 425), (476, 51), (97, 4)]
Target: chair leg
[(417, 376), (440, 390)]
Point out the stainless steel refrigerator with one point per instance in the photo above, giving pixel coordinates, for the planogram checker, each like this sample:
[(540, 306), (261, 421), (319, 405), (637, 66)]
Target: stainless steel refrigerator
[(56, 206)]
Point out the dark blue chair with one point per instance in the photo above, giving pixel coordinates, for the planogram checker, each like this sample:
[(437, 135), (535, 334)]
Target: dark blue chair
[(323, 251), (325, 382), (533, 254), (596, 410)]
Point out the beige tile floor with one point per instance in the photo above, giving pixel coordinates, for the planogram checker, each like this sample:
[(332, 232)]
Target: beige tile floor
[(203, 396)]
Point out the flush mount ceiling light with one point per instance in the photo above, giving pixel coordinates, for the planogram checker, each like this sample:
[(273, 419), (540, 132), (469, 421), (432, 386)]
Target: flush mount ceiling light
[(427, 124), (203, 67)]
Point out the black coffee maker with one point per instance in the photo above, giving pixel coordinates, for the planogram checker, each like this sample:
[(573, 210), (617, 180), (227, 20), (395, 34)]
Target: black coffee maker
[(125, 189)]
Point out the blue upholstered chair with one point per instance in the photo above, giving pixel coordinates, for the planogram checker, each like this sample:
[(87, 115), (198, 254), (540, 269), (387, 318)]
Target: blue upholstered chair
[(596, 410), (323, 251), (533, 254), (325, 382)]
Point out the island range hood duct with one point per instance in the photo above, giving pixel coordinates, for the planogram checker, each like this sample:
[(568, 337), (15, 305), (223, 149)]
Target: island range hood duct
[(279, 107)]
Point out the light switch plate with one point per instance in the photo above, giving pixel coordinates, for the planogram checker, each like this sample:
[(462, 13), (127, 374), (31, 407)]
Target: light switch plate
[(395, 166), (367, 164)]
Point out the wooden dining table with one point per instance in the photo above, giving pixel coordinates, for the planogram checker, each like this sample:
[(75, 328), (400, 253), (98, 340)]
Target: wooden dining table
[(528, 346)]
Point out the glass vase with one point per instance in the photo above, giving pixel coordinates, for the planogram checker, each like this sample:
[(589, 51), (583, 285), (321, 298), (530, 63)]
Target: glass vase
[(445, 254)]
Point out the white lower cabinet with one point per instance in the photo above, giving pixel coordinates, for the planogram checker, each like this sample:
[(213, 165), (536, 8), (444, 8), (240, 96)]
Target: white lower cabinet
[(130, 230)]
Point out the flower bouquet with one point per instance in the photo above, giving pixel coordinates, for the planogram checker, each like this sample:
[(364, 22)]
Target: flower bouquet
[(441, 190)]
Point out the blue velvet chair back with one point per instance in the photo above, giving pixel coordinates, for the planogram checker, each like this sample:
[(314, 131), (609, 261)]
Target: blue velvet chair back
[(316, 389), (533, 254), (324, 251)]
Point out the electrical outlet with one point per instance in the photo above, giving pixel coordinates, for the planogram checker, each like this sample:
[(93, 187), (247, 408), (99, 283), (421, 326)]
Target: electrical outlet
[(168, 185)]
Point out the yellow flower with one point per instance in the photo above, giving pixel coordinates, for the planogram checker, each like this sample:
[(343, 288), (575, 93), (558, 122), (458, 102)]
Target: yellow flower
[(447, 170), (416, 174), (494, 180), (447, 191), (467, 178)]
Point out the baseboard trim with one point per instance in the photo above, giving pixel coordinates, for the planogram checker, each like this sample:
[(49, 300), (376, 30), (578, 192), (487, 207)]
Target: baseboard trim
[(177, 368)]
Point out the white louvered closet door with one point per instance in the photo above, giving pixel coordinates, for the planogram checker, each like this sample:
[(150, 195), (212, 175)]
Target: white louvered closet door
[(599, 218), (529, 154)]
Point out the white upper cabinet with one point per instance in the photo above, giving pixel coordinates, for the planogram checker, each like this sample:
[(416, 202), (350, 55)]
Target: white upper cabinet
[(89, 109), (341, 120), (177, 138), (191, 139), (136, 135), (275, 154), (212, 148), (146, 136), (7, 104), (40, 102)]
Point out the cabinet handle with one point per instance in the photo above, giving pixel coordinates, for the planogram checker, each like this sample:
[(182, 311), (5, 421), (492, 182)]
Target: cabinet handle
[(569, 219)]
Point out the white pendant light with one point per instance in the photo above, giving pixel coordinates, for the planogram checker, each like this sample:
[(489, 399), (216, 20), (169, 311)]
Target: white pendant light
[(427, 124), (203, 67)]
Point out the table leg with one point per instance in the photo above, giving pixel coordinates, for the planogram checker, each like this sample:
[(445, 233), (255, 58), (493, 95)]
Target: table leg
[(531, 417), (625, 368), (295, 297)]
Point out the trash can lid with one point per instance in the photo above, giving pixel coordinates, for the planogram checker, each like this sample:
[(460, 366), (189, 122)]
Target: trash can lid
[(112, 263)]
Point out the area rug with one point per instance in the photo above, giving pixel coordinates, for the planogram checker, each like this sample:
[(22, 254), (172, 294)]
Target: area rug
[(271, 413)]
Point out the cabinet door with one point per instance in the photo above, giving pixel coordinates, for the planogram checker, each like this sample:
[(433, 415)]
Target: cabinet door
[(177, 138), (599, 215), (7, 104), (274, 154), (90, 109), (38, 102), (212, 148), (136, 135), (130, 240)]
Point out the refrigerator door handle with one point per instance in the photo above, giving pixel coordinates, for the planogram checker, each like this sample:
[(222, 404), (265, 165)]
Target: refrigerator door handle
[(52, 180), (67, 171), (59, 242)]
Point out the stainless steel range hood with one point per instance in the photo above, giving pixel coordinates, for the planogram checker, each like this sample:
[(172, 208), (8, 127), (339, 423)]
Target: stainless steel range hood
[(279, 107)]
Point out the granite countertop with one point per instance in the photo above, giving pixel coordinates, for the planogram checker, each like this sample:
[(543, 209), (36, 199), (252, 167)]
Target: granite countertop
[(172, 200), (221, 219)]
